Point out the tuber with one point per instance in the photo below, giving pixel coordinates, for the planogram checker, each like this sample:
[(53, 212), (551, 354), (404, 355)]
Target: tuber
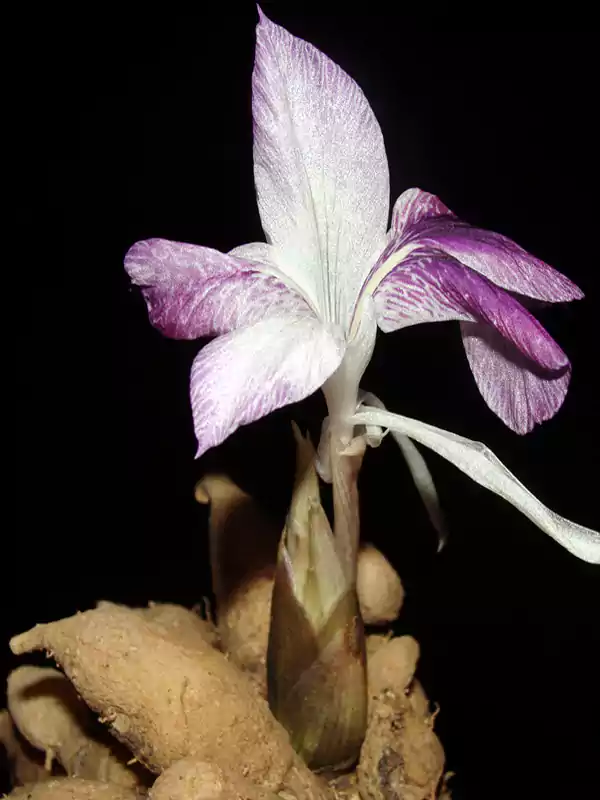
[(72, 789), (182, 625), (167, 702), (401, 757), (190, 779), (25, 763), (51, 717), (392, 666), (243, 550), (379, 588)]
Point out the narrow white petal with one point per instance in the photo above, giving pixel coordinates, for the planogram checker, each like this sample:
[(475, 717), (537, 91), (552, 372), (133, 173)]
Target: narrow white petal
[(479, 463), (418, 469), (425, 485)]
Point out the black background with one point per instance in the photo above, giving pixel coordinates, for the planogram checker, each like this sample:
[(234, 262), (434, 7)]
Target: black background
[(144, 129)]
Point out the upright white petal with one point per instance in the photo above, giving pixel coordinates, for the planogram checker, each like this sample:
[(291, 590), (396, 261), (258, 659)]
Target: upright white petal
[(320, 168)]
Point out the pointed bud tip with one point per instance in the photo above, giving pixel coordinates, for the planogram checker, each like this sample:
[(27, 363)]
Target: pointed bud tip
[(213, 484), (200, 493)]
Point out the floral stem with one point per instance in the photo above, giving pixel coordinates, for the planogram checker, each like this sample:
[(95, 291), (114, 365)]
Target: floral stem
[(345, 467)]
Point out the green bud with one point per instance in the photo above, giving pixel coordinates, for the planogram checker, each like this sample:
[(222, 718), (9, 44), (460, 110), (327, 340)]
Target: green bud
[(316, 654)]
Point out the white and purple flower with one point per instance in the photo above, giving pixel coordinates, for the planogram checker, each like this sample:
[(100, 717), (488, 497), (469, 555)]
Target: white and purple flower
[(302, 311)]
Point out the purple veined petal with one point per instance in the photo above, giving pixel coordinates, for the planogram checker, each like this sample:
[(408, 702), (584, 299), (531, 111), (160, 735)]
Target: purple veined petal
[(320, 168), (518, 393), (481, 465), (521, 372), (246, 374), (429, 286), (274, 261), (194, 291), (414, 206), (421, 217)]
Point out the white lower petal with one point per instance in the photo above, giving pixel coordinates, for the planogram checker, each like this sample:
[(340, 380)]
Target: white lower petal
[(479, 463), (425, 485), (417, 466), (246, 374)]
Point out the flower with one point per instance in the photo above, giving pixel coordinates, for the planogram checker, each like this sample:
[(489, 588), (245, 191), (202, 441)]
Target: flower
[(301, 311)]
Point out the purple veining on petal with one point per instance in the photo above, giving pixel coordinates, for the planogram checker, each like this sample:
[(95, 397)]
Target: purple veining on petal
[(499, 259), (413, 207), (513, 388), (421, 218), (430, 286), (194, 291), (244, 375), (320, 167)]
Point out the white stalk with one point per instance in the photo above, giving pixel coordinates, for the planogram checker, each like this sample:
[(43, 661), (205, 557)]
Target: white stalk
[(343, 452)]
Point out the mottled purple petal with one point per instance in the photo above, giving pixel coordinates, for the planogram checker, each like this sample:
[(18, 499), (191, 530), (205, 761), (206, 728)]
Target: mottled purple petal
[(521, 372), (246, 374), (194, 291), (320, 168), (500, 260), (420, 217), (509, 383), (415, 206)]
